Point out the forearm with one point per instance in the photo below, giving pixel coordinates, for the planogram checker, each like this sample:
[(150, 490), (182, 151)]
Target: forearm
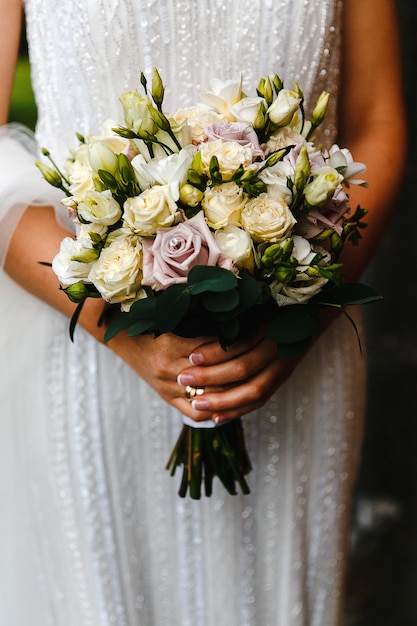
[(372, 119), (37, 239)]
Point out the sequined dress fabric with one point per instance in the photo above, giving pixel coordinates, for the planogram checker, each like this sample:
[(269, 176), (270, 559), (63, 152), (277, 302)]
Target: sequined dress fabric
[(95, 531)]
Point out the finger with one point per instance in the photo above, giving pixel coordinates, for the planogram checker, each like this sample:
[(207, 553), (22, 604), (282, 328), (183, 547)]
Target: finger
[(246, 397), (211, 352), (232, 371)]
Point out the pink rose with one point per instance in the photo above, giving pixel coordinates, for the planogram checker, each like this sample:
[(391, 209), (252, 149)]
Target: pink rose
[(240, 132), (168, 258)]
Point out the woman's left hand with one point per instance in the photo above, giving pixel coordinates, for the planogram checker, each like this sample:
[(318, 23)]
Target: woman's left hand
[(243, 377)]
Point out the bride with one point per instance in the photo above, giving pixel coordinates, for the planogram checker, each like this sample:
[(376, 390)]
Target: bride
[(92, 531)]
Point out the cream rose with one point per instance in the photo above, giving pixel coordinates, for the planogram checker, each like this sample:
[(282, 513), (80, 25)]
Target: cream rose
[(223, 204), (168, 259), (236, 244), (152, 209), (267, 219), (230, 155), (117, 274), (99, 207), (284, 137), (197, 118)]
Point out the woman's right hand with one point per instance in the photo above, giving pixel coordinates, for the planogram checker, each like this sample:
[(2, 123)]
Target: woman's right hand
[(158, 361)]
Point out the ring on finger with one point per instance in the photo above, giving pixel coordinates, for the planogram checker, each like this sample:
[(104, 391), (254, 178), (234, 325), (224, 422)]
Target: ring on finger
[(193, 392)]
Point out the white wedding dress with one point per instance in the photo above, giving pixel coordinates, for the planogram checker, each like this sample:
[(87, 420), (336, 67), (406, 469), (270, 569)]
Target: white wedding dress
[(92, 531)]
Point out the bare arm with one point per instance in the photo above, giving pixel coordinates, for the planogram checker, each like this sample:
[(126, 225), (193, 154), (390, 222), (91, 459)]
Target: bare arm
[(10, 20), (372, 117)]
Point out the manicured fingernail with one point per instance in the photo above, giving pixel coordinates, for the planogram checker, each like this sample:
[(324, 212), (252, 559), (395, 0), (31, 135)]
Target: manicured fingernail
[(186, 379), (200, 404), (219, 420), (196, 358)]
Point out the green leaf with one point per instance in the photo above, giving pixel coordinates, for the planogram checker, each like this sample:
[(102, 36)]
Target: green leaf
[(74, 319), (171, 307), (218, 302), (143, 309), (138, 328), (347, 294), (119, 323), (293, 323), (249, 291), (203, 278)]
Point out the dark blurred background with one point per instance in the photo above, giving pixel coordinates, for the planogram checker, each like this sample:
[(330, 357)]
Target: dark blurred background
[(382, 577), (383, 571)]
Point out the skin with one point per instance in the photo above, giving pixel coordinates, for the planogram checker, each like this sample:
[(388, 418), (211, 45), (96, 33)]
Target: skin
[(244, 377)]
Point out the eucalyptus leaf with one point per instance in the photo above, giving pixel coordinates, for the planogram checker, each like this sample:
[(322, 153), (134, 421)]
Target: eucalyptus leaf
[(347, 294), (119, 323), (143, 309), (293, 323), (207, 278), (171, 306), (223, 301)]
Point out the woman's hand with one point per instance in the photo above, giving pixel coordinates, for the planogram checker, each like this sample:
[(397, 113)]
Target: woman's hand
[(236, 381), (158, 361)]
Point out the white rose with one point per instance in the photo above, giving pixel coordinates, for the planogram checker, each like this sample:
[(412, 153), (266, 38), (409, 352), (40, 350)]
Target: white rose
[(223, 95), (101, 157), (236, 243), (293, 294), (67, 269), (250, 110), (223, 204), (230, 155), (284, 106), (117, 273), (276, 180), (322, 187), (100, 207), (86, 230), (267, 219), (170, 170), (136, 113), (154, 208)]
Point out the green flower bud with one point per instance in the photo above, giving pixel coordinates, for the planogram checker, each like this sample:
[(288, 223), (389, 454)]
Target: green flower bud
[(76, 292), (287, 249), (197, 163), (88, 255), (190, 196), (272, 255), (302, 169), (51, 176), (320, 109), (284, 274), (159, 119), (157, 87), (277, 82), (265, 90), (126, 169)]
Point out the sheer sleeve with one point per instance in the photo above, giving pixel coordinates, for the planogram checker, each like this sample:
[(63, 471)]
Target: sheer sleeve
[(21, 183)]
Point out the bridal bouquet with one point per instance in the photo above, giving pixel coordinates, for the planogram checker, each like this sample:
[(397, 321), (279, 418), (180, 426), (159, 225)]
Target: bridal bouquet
[(204, 221)]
